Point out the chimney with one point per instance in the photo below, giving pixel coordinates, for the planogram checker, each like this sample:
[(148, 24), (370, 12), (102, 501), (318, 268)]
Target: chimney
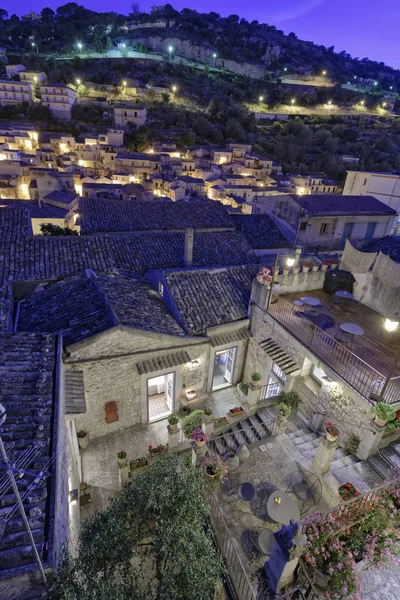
[(188, 258)]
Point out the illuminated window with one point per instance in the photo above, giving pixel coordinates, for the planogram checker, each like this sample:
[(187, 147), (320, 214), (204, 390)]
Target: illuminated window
[(160, 288)]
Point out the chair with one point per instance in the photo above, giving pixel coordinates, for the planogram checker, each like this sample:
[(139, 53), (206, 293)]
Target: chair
[(298, 304), (307, 487), (246, 494)]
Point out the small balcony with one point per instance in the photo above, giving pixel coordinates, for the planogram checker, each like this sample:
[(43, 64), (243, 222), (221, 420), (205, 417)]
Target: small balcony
[(363, 361)]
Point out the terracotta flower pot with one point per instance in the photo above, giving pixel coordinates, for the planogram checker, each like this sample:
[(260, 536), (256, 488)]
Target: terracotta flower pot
[(296, 270), (325, 267), (315, 268), (305, 269), (209, 474)]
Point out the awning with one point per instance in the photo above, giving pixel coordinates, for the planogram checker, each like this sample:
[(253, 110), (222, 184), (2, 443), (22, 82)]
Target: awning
[(74, 392), (229, 338), (279, 356), (163, 362)]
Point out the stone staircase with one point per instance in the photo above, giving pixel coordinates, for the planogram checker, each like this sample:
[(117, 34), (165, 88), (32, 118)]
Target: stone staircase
[(386, 459), (344, 466), (248, 430)]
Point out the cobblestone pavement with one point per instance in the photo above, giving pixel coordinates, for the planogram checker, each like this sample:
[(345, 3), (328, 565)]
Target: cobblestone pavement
[(381, 585)]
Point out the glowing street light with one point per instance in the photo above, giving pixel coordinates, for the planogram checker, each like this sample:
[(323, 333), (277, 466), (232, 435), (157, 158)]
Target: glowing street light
[(124, 83), (124, 45), (174, 88), (78, 82), (383, 104), (285, 69), (260, 99), (375, 83), (35, 78), (390, 326), (362, 102), (329, 102), (324, 72), (170, 49), (293, 101), (34, 45), (290, 262), (79, 46), (391, 87)]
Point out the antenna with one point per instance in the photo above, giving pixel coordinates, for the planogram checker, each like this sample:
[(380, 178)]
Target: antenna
[(17, 468)]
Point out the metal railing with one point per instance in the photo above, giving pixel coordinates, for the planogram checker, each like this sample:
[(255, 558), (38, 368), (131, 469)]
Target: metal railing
[(366, 380), (236, 569), (233, 438)]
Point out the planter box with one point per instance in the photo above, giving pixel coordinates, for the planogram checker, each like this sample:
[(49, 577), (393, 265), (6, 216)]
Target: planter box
[(235, 415), (135, 472), (221, 423)]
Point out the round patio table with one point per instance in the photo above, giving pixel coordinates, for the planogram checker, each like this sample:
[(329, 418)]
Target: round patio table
[(310, 301), (266, 541), (285, 511), (352, 328), (344, 294)]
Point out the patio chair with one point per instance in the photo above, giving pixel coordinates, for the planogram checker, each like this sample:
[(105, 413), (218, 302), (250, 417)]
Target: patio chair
[(307, 487)]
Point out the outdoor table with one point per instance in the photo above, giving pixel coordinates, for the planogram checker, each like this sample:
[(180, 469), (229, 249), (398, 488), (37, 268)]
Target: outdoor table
[(347, 332), (345, 297), (266, 541), (285, 511), (311, 302)]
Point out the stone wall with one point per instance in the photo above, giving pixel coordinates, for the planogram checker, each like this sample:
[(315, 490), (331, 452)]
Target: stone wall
[(199, 53), (108, 362), (370, 291)]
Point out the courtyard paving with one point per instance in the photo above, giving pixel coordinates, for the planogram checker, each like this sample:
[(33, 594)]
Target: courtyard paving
[(99, 460)]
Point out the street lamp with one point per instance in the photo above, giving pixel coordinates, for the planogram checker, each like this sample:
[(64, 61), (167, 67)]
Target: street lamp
[(79, 46), (124, 45), (390, 326), (293, 101), (290, 262), (78, 81), (261, 98), (174, 88), (35, 78), (375, 83), (383, 104), (215, 58), (324, 72), (170, 49), (362, 102), (124, 83), (34, 45), (329, 102), (285, 69)]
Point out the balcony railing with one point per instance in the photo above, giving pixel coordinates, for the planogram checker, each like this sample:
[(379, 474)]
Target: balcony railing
[(366, 380)]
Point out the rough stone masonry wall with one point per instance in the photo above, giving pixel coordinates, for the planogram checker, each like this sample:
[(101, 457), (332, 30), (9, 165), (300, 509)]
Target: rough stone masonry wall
[(115, 377)]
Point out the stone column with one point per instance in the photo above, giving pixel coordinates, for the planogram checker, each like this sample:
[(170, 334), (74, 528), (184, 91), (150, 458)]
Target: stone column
[(260, 295), (370, 440), (123, 473), (253, 396), (173, 437), (317, 422), (208, 426), (323, 457), (282, 424)]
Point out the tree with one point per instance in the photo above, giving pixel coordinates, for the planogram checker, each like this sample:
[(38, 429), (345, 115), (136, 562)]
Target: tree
[(161, 512), (3, 14), (135, 7)]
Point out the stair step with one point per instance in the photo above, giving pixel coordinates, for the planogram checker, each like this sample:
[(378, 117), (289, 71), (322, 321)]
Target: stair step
[(391, 455), (257, 426), (309, 437), (298, 432), (379, 465), (345, 461), (221, 448), (361, 475), (340, 453), (238, 435), (249, 432), (396, 447), (307, 445), (229, 440), (266, 416)]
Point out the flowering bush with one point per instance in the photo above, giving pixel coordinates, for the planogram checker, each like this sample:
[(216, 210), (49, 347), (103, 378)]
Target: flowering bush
[(332, 429), (198, 435), (215, 466), (237, 409), (158, 449), (307, 264), (326, 262), (334, 261), (347, 491), (137, 463), (264, 276)]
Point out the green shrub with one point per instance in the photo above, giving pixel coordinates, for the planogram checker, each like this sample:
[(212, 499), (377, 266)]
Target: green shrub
[(385, 411), (192, 422), (173, 419), (352, 444), (121, 455), (291, 399), (244, 387), (284, 409)]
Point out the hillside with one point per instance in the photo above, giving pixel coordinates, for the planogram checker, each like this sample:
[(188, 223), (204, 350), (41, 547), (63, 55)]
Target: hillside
[(252, 49)]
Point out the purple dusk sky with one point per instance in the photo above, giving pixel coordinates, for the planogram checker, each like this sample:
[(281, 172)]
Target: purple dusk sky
[(364, 28)]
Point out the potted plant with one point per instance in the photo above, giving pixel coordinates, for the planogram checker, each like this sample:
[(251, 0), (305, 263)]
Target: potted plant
[(192, 421), (332, 432), (231, 460), (315, 267), (296, 269), (284, 410), (215, 468), (121, 458), (83, 439), (307, 266), (173, 421), (255, 377), (220, 421), (334, 263), (325, 264), (384, 413), (138, 463), (276, 272), (156, 450), (286, 271), (264, 276), (236, 412), (198, 437), (275, 288)]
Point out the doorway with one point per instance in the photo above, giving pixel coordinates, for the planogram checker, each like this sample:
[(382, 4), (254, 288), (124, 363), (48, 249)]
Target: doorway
[(346, 235), (160, 394), (224, 366)]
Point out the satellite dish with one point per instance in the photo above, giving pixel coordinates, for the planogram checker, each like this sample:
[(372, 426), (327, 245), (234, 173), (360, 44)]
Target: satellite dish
[(3, 414)]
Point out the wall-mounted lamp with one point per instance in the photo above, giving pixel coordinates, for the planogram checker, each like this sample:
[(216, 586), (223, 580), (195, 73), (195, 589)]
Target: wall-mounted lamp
[(74, 496), (290, 262)]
